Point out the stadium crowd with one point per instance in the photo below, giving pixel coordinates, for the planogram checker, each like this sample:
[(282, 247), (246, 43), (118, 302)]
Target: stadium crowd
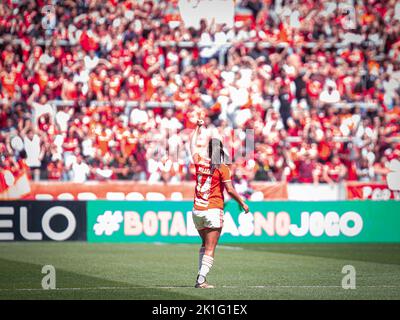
[(316, 84)]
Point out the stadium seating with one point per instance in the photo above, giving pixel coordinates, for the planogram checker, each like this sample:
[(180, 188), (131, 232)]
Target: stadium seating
[(110, 91)]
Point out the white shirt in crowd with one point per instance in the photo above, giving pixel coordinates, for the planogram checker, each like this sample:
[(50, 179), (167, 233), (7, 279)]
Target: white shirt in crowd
[(41, 109), (32, 148), (87, 148), (332, 97), (397, 11), (138, 116), (172, 124), (80, 172), (91, 63), (153, 168), (62, 119)]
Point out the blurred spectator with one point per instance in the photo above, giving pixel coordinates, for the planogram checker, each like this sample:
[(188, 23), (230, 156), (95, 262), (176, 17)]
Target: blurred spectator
[(79, 170)]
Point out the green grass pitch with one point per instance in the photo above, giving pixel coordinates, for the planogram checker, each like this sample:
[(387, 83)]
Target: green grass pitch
[(168, 271)]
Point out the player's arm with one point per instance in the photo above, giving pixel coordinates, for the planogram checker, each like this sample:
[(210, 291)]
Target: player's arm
[(194, 138), (233, 193)]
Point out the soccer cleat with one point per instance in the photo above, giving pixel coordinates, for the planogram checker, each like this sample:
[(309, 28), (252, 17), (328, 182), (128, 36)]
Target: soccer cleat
[(204, 285)]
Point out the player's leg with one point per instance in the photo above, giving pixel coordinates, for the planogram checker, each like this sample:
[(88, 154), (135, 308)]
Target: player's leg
[(202, 234), (211, 241), (199, 221), (214, 223)]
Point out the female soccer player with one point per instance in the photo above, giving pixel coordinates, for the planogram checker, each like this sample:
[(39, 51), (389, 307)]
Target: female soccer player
[(212, 175)]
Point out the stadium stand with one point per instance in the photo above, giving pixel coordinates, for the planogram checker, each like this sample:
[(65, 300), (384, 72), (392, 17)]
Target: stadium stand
[(112, 90)]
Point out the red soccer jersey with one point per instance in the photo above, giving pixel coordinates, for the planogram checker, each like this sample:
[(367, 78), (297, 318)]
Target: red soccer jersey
[(209, 191)]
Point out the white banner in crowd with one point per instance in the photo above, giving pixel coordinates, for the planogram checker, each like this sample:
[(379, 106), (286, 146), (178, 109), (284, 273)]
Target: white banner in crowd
[(311, 192), (221, 11)]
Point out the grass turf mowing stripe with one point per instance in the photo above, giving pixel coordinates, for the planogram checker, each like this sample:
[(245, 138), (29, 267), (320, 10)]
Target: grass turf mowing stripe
[(148, 271), (385, 253)]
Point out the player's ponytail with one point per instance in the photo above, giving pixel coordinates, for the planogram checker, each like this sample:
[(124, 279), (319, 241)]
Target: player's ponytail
[(216, 153)]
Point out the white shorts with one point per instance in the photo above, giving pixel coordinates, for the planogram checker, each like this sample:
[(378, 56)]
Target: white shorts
[(208, 219)]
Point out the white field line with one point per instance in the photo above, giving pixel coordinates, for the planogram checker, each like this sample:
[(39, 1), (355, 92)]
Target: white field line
[(219, 246), (229, 247), (180, 287)]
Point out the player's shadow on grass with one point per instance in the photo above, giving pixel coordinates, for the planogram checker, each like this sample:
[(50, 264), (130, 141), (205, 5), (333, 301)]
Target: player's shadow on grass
[(21, 280)]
